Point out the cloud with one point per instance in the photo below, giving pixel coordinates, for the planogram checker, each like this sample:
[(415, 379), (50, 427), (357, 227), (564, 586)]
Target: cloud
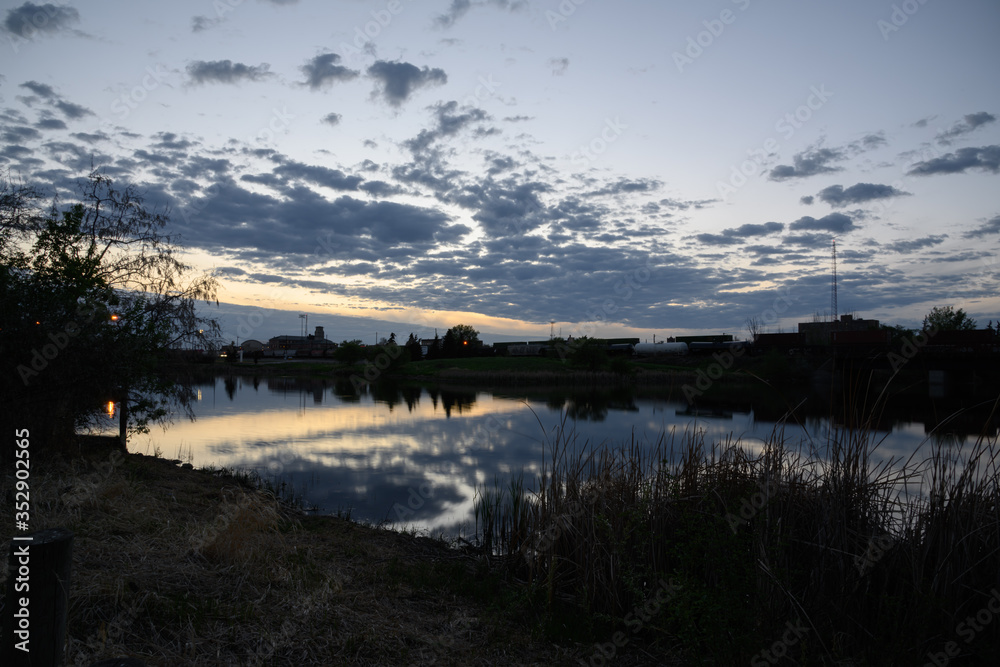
[(559, 66), (808, 163), (682, 205), (987, 228), (324, 176), (323, 70), (43, 90), (971, 122), (226, 71), (459, 8), (837, 223), (907, 246), (837, 196), (30, 19), (807, 200), (332, 119), (398, 80), (449, 123), (48, 93), (203, 23), (628, 186), (986, 158), (738, 235), (73, 111)]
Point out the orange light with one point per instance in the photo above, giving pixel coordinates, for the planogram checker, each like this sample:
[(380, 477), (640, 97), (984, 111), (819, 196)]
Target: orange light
[(114, 318), (111, 409)]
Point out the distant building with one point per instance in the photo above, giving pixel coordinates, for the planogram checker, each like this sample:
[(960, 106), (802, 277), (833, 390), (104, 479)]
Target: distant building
[(315, 345), (818, 333), (250, 346)]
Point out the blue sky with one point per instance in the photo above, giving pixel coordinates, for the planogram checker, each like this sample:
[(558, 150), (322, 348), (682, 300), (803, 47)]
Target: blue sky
[(626, 168)]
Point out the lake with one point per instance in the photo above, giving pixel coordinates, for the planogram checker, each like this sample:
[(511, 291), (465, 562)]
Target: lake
[(415, 455)]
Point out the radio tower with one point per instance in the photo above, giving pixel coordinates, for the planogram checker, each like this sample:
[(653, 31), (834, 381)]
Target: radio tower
[(833, 292)]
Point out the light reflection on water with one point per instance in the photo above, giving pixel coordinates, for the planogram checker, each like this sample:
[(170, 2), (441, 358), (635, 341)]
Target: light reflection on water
[(415, 456)]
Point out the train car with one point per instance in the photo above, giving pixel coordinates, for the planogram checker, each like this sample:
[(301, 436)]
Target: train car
[(657, 349), (702, 347)]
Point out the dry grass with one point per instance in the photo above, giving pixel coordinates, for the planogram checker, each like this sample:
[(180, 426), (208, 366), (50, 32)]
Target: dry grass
[(183, 567), (883, 561)]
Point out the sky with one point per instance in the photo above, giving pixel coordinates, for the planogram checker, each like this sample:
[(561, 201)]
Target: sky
[(628, 168)]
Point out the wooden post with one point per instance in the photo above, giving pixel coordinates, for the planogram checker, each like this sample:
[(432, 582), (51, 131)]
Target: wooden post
[(123, 419), (34, 617)]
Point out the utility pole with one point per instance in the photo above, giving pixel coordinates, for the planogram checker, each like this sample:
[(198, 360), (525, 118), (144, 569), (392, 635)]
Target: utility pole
[(833, 293)]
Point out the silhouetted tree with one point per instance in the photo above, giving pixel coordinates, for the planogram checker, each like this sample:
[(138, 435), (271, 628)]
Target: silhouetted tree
[(92, 298), (946, 318), (414, 348)]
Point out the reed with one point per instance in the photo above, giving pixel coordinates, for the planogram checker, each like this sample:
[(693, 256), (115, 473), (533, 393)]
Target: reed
[(880, 560)]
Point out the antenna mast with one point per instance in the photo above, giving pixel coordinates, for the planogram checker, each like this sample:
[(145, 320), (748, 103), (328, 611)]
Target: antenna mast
[(833, 293)]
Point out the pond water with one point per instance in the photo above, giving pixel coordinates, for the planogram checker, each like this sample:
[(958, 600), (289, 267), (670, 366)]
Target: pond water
[(416, 455)]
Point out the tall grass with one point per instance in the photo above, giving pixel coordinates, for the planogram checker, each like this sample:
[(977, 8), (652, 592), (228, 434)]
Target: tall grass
[(882, 561)]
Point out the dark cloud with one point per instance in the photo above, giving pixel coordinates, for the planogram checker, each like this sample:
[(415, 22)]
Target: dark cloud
[(50, 122), (907, 246), (90, 138), (559, 66), (682, 205), (323, 70), (628, 186), (43, 90), (449, 122), (170, 141), (810, 162), (807, 200), (332, 119), (837, 196), (16, 134), (323, 176), (380, 188), (963, 127), (986, 158), (73, 111), (203, 23), (226, 71), (836, 223), (398, 80), (498, 165), (30, 19), (459, 8), (738, 235), (305, 228), (986, 229)]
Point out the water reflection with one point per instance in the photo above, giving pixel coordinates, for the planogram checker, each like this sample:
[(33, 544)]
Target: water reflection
[(415, 455)]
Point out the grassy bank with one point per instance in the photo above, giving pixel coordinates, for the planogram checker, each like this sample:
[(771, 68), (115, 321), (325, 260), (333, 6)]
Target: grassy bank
[(784, 554), (194, 567)]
